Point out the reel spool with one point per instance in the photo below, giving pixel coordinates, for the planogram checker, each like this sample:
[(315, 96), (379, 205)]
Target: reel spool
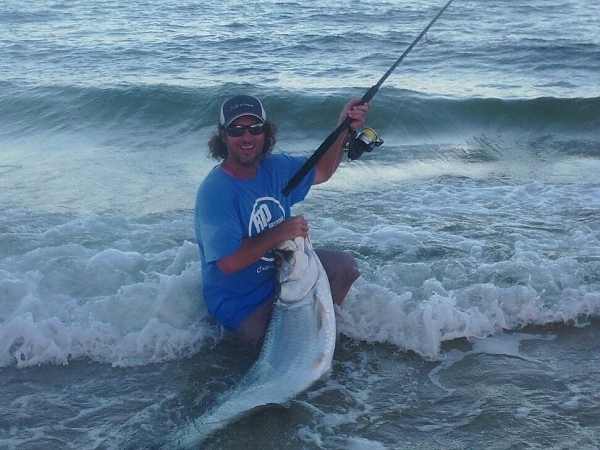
[(365, 141)]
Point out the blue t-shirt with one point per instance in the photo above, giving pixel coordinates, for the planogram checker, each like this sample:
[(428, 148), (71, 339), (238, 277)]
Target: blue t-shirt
[(229, 209)]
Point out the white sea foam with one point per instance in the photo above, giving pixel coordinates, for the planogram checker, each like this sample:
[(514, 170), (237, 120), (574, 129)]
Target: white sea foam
[(102, 300), (465, 260), (439, 262)]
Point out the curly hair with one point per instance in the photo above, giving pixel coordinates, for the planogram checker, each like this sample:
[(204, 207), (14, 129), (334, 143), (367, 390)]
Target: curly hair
[(218, 150)]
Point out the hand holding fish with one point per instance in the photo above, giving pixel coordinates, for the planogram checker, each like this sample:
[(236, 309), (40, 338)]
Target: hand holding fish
[(292, 228)]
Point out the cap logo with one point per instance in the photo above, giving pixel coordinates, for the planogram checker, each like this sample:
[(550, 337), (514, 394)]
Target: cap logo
[(232, 108)]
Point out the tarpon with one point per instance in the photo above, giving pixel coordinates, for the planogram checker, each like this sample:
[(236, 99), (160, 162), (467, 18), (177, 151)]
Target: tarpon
[(298, 347)]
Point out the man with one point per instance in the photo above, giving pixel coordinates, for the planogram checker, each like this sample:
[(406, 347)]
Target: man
[(241, 216)]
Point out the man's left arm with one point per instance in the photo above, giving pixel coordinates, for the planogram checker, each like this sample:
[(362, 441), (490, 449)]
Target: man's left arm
[(331, 160)]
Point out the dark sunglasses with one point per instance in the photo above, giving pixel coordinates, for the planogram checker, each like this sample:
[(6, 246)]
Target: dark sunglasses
[(239, 130)]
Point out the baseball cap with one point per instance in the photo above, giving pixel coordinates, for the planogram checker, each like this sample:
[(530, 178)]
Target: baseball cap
[(241, 105)]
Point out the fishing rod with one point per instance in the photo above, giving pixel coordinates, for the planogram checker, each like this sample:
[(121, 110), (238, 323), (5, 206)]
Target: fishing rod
[(318, 154)]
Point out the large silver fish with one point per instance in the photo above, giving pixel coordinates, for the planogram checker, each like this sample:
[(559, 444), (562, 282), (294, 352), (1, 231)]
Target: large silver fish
[(297, 350)]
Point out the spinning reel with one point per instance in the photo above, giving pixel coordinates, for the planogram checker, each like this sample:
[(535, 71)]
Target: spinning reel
[(365, 141)]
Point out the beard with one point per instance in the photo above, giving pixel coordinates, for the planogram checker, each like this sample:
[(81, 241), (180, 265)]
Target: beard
[(247, 159)]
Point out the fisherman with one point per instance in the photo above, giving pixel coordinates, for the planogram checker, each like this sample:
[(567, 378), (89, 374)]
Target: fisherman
[(241, 216)]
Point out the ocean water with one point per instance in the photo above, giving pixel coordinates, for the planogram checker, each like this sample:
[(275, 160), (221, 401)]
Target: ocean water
[(476, 322)]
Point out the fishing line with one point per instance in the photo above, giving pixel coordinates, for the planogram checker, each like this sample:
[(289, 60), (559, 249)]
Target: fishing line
[(395, 115), (329, 140)]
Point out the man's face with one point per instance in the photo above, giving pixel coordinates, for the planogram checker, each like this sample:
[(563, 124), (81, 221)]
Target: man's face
[(246, 149)]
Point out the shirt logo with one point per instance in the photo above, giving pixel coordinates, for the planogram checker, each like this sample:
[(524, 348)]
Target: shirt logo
[(267, 212)]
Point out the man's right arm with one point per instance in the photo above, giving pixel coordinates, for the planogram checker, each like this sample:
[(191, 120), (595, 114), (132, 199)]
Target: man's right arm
[(255, 247)]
